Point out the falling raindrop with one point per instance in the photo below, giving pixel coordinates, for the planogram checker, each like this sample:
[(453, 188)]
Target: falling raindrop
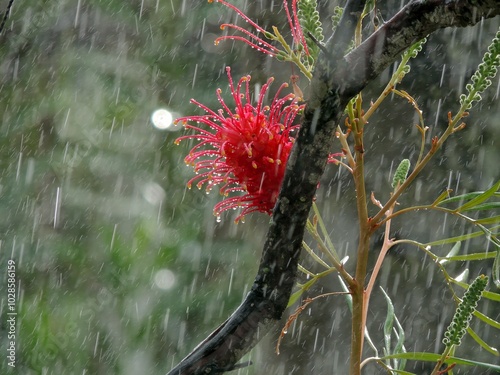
[(194, 75), (438, 112), (442, 76), (57, 207)]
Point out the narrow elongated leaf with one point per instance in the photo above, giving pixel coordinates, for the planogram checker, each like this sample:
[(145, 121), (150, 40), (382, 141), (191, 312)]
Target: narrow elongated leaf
[(487, 319), (314, 255), (463, 276), (495, 271), (489, 220), (470, 257), (370, 342), (463, 237), (432, 357), (400, 347), (324, 231), (466, 197), (482, 343), (485, 206), (296, 295), (441, 197), (346, 289), (454, 250), (480, 198), (389, 319)]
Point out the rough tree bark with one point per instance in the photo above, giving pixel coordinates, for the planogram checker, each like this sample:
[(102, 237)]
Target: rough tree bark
[(336, 79)]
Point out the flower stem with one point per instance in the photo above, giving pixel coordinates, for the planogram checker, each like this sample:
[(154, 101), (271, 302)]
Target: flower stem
[(357, 289)]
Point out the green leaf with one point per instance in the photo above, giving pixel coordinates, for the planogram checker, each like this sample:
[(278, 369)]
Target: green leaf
[(454, 250), (347, 296), (487, 319), (370, 342), (463, 276), (389, 319), (463, 237), (481, 342), (294, 297), (480, 198), (400, 347), (439, 199), (469, 257), (388, 328), (488, 220), (465, 197), (432, 357), (485, 206), (324, 231), (495, 271), (314, 255)]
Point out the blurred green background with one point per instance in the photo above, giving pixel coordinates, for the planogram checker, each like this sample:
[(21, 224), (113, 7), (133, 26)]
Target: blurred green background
[(123, 270)]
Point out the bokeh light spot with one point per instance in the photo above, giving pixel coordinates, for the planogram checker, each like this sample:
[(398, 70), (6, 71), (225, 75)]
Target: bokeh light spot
[(162, 119), (164, 279)]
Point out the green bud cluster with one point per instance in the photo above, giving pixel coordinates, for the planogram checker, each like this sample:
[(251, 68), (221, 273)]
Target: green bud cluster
[(282, 56), (416, 48), (310, 22), (460, 322), (337, 15), (485, 72), (411, 52), (401, 173)]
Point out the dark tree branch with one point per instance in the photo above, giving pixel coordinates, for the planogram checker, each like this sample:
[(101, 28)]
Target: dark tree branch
[(6, 15), (335, 81)]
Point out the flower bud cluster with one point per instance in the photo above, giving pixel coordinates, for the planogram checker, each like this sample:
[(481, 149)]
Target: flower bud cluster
[(310, 22), (458, 326), (401, 173), (485, 72)]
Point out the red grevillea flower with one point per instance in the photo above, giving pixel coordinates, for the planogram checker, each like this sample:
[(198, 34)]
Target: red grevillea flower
[(254, 40), (244, 150)]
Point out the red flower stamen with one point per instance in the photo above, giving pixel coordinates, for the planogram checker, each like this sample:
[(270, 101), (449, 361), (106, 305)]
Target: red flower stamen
[(257, 42), (260, 44), (244, 150), (295, 28)]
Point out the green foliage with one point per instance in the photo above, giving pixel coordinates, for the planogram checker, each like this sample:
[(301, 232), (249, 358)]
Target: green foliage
[(432, 357), (388, 333), (460, 322), (411, 53), (311, 23), (485, 72)]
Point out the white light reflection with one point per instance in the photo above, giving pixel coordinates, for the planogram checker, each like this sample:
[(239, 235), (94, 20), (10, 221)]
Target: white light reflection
[(164, 279), (162, 119)]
